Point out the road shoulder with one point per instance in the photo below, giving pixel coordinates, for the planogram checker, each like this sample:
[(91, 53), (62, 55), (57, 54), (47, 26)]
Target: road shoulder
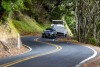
[(14, 51)]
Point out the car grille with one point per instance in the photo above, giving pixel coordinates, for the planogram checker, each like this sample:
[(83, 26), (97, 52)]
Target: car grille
[(59, 33)]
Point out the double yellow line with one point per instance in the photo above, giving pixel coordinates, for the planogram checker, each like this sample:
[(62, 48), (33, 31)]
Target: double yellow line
[(58, 48)]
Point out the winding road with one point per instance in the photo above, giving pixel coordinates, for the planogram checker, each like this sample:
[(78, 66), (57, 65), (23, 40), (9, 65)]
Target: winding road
[(48, 53)]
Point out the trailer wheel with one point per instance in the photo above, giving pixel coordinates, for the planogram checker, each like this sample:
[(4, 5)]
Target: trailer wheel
[(65, 35)]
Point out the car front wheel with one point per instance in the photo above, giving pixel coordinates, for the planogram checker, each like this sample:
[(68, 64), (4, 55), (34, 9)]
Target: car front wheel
[(53, 36), (43, 36)]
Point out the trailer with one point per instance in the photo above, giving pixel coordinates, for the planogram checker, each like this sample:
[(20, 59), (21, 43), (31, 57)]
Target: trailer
[(58, 25)]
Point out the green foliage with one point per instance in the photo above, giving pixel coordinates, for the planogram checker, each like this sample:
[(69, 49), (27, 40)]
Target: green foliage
[(28, 25), (70, 21), (92, 41), (12, 26), (6, 4), (18, 4), (22, 26), (56, 14), (6, 7), (9, 5), (37, 15)]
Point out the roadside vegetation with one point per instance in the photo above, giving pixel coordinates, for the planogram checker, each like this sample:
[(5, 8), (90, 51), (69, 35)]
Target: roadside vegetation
[(33, 16)]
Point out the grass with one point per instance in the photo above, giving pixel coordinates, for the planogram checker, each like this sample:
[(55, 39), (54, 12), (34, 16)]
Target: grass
[(28, 25), (69, 32), (12, 26)]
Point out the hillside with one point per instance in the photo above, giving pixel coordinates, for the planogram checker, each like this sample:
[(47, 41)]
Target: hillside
[(8, 41)]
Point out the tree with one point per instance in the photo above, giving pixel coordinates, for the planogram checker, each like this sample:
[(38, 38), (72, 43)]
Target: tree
[(87, 13)]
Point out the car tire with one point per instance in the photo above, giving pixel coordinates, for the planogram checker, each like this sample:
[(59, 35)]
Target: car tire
[(52, 37), (43, 36), (55, 36)]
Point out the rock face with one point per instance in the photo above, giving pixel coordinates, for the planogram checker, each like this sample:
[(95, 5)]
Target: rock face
[(8, 39)]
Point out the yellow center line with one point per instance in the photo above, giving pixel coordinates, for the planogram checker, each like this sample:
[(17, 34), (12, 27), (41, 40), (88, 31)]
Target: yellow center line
[(58, 48)]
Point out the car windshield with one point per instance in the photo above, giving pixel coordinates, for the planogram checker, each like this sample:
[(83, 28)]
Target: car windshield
[(49, 29)]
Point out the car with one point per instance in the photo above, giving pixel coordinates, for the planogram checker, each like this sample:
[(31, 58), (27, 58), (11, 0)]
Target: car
[(49, 33)]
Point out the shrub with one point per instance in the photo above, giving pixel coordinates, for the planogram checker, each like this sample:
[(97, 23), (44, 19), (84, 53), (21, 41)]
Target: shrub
[(92, 41)]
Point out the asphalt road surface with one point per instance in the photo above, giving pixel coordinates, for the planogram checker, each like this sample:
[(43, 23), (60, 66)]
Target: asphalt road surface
[(48, 53)]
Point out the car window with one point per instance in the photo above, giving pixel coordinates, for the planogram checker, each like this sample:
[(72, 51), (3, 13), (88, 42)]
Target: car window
[(49, 29)]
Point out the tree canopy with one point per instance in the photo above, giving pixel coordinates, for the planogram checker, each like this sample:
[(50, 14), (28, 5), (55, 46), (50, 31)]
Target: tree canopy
[(82, 16)]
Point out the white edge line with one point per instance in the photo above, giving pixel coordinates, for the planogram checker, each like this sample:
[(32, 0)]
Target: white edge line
[(87, 59), (30, 49)]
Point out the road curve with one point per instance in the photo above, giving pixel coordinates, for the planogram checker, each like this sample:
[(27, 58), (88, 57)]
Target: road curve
[(48, 53)]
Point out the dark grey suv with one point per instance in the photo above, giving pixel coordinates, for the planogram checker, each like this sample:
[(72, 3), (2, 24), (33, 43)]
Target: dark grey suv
[(49, 33)]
